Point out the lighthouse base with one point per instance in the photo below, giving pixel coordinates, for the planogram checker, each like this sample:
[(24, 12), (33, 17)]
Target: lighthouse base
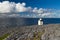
[(40, 22)]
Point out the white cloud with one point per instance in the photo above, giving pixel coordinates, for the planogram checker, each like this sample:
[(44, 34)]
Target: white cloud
[(40, 10), (12, 7), (8, 7), (35, 10), (43, 12), (23, 4), (14, 15), (20, 7)]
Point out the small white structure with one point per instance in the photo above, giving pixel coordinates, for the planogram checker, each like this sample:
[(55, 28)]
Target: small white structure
[(40, 22)]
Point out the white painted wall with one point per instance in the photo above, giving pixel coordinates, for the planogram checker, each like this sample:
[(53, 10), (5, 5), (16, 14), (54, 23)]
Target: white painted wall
[(40, 22)]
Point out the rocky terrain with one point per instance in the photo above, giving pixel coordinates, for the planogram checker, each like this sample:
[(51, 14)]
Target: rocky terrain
[(33, 32)]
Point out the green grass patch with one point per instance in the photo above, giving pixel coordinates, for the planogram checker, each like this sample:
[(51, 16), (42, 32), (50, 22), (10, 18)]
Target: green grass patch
[(4, 36), (37, 36)]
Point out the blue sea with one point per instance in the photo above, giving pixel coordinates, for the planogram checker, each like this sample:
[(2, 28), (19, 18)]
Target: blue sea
[(34, 21), (51, 20), (27, 21)]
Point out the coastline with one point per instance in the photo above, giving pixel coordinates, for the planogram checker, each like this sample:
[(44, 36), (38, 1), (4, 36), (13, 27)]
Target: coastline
[(28, 31)]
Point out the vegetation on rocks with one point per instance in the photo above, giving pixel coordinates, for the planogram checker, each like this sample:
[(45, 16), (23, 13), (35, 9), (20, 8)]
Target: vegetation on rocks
[(37, 36), (4, 36), (35, 32)]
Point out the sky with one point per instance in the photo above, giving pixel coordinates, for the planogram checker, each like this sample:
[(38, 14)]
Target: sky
[(40, 3), (31, 8)]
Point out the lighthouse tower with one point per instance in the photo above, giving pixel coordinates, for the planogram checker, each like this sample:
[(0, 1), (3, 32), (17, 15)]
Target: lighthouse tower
[(40, 22)]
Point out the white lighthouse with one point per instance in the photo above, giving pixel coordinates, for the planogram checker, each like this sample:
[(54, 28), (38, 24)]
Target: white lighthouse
[(40, 22)]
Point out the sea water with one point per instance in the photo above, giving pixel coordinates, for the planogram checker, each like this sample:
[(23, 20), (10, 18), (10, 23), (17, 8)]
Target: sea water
[(27, 21)]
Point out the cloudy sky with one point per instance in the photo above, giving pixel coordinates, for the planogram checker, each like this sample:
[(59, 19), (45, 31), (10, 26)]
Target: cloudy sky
[(30, 8)]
